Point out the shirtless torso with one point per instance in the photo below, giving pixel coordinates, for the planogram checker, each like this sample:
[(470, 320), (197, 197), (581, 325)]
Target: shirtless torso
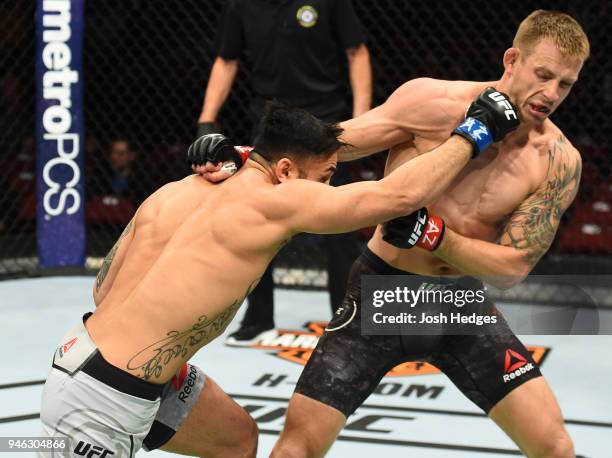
[(174, 263), (194, 250), (501, 213), (480, 202)]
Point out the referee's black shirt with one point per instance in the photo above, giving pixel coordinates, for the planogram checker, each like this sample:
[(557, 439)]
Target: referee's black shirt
[(294, 46)]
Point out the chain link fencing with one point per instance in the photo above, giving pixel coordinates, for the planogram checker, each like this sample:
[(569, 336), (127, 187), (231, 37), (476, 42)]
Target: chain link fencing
[(17, 146), (146, 66)]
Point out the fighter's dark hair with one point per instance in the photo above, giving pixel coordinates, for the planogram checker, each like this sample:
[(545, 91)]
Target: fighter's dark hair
[(285, 131)]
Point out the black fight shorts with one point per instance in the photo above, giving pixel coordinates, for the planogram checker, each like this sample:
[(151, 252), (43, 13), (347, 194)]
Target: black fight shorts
[(346, 366)]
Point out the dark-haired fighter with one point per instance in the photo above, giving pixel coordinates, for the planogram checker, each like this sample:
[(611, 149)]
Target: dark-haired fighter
[(184, 265)]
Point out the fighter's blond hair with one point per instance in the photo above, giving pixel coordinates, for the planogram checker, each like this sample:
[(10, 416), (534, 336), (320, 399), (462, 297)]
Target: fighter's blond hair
[(563, 30)]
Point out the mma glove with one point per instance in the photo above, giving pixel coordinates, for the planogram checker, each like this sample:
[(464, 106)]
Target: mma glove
[(217, 148), (488, 119), (416, 229)]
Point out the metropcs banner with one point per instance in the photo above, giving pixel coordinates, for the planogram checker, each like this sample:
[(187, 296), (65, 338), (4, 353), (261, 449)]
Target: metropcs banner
[(60, 133)]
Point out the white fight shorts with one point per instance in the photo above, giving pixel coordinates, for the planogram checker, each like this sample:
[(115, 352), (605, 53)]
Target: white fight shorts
[(107, 412)]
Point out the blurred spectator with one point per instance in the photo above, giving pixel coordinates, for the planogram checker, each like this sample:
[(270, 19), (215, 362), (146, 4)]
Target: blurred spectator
[(121, 158), (117, 175)]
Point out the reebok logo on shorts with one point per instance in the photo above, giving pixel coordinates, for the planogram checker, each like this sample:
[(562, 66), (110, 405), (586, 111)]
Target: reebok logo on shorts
[(515, 365), (185, 382), (178, 379)]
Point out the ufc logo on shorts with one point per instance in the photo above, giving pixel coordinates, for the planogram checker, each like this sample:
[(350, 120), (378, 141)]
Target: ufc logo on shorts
[(503, 102), (91, 451)]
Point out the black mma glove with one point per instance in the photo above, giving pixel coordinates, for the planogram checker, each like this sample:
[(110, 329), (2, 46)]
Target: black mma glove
[(205, 128), (416, 229), (488, 119), (215, 148)]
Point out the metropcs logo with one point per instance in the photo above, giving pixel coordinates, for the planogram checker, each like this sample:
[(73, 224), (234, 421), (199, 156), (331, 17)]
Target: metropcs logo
[(297, 346), (57, 119), (515, 365)]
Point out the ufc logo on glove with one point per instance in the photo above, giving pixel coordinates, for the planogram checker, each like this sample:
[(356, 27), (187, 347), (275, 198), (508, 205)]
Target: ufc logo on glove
[(503, 102)]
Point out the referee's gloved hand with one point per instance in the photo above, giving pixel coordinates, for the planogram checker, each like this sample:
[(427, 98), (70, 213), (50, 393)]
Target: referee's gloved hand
[(416, 229), (488, 119)]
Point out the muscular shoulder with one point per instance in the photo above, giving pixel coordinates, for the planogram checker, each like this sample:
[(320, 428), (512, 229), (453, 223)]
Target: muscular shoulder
[(283, 204), (561, 153), (177, 195), (420, 92), (439, 89), (266, 210), (277, 202), (429, 103), (563, 166)]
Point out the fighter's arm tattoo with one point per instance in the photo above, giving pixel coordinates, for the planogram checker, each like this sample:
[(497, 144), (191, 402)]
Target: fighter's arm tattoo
[(152, 359), (532, 226), (108, 260)]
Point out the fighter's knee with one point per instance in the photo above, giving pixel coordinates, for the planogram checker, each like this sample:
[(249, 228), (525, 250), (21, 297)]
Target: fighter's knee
[(241, 443), (299, 446), (561, 447), (557, 445), (565, 447), (247, 446), (293, 448)]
